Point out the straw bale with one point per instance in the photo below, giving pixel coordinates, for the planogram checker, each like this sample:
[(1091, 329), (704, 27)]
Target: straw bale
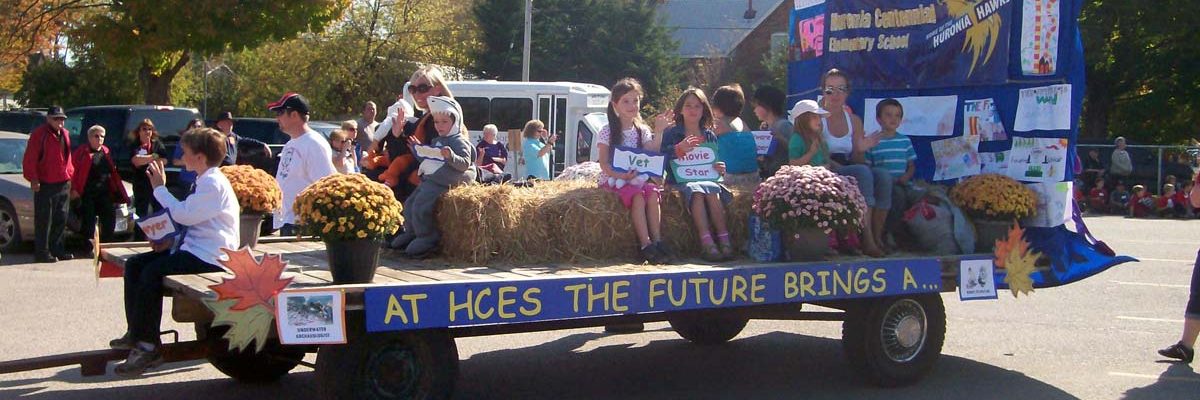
[(562, 221)]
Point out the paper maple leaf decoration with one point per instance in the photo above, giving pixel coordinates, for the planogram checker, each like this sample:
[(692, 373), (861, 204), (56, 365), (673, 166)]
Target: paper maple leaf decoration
[(1013, 255), (246, 303), (252, 324), (253, 282)]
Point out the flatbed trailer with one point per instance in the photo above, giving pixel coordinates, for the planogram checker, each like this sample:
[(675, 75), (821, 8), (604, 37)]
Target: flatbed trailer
[(400, 329)]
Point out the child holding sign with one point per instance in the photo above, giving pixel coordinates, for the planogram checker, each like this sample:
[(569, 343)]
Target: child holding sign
[(210, 214), (626, 129), (455, 167), (694, 170)]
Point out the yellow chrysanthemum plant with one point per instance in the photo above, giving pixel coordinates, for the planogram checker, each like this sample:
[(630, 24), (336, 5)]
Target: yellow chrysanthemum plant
[(994, 197), (257, 191), (347, 207)]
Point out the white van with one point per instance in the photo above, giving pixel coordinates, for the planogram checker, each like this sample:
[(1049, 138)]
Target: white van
[(573, 111)]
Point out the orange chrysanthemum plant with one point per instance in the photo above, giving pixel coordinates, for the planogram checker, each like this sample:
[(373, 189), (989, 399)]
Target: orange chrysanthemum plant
[(257, 191)]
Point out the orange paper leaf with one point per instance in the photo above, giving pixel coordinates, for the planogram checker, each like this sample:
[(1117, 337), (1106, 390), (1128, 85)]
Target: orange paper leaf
[(1005, 246), (253, 282)]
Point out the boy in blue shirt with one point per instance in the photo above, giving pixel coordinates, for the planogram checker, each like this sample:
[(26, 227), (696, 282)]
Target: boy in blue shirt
[(893, 152)]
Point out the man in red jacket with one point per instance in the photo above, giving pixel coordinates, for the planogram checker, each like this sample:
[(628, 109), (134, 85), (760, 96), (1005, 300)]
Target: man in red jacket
[(47, 167)]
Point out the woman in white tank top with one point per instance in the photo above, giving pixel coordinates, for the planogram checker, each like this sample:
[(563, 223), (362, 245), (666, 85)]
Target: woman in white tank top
[(850, 144)]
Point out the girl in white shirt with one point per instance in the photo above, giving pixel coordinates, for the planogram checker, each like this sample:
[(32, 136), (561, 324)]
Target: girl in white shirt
[(209, 217)]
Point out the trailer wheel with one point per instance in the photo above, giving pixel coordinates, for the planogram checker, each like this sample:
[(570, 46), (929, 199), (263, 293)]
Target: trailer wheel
[(894, 341), (248, 366), (421, 365), (710, 327)]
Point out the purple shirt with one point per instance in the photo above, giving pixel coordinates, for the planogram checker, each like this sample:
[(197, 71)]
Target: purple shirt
[(492, 150)]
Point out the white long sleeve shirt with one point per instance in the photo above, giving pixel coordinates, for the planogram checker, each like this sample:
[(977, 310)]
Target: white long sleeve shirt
[(210, 215), (302, 161)]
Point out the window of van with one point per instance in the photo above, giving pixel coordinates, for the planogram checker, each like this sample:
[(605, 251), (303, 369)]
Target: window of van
[(511, 113), (475, 112), (169, 123)]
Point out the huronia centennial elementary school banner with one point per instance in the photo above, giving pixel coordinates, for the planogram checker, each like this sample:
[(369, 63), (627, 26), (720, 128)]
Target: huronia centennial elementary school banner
[(987, 86)]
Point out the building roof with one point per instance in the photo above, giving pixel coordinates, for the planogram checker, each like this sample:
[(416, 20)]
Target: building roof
[(708, 28)]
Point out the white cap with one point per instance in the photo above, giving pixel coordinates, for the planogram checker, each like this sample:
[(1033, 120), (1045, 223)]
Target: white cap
[(807, 106)]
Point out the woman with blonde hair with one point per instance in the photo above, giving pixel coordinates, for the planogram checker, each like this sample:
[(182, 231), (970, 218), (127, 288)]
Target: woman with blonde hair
[(400, 172), (535, 152)]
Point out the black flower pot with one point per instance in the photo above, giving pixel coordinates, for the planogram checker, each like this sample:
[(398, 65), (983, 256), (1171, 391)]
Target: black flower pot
[(353, 261)]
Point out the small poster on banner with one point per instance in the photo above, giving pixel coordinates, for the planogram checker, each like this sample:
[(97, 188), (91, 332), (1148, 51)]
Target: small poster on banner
[(956, 157), (1039, 37), (158, 226), (425, 152), (980, 118), (764, 141), (1038, 159), (311, 317), (976, 280), (1054, 204), (809, 38), (994, 163), (923, 116), (1045, 108), (696, 165), (644, 162)]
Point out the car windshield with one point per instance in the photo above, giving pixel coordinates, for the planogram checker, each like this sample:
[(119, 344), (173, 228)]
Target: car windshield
[(11, 153)]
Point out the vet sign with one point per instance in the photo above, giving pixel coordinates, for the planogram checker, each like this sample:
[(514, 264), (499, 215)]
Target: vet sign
[(644, 162)]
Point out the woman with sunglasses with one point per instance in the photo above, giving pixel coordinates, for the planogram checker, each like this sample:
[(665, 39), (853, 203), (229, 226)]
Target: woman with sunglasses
[(97, 185), (147, 148), (400, 172), (843, 132)]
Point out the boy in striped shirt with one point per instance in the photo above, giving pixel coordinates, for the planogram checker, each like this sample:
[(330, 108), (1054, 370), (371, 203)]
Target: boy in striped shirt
[(894, 152)]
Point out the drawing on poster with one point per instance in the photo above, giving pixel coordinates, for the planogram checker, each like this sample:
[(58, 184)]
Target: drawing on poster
[(976, 280), (923, 116), (311, 317), (1038, 159), (980, 118), (956, 157), (1044, 108), (1054, 204), (810, 38), (1039, 37), (994, 163)]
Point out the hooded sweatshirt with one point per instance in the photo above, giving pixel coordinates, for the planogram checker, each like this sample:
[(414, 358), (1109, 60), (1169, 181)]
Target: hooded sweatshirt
[(459, 168)]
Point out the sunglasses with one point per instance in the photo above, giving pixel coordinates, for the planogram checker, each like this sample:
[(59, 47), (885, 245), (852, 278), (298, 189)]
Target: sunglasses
[(420, 89), (836, 89)]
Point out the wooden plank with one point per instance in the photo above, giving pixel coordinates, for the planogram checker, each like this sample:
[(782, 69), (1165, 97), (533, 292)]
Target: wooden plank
[(435, 275), (193, 286), (403, 276)]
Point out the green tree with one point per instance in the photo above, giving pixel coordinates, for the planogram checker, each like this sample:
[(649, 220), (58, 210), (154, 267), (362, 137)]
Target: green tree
[(89, 80), (160, 36), (1142, 80), (597, 41)]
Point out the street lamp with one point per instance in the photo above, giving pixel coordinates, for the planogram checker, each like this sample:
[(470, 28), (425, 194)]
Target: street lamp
[(207, 72)]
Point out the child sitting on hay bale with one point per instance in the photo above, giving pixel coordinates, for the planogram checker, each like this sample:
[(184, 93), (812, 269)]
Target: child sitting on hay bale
[(421, 236), (706, 200), (626, 129)]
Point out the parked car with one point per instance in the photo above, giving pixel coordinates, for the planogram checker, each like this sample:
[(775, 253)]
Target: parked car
[(22, 121), (16, 200), (122, 119)]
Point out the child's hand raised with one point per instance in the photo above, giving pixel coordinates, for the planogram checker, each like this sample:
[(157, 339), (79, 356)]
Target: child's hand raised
[(413, 141), (664, 120)]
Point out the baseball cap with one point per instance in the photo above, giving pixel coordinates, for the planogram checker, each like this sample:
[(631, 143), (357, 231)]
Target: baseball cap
[(290, 101), (225, 116), (55, 112), (807, 106)]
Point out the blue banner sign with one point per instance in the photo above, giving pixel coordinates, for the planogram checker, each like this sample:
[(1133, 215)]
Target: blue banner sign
[(897, 44), (455, 304)]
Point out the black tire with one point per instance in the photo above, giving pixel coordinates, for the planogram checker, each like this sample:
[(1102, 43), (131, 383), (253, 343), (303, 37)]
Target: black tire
[(894, 341), (710, 327), (10, 227), (405, 365), (272, 363)]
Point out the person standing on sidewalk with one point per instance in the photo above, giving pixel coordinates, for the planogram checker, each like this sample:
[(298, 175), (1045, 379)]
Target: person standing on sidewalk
[(305, 158), (47, 167), (1185, 349)]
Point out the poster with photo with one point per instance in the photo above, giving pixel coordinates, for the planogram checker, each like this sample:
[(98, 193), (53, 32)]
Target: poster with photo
[(994, 163), (311, 317), (1044, 108), (1038, 159), (956, 157), (1054, 204), (976, 280), (923, 115), (980, 118), (1039, 37)]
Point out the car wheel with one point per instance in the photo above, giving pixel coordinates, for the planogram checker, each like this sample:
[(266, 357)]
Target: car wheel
[(10, 229)]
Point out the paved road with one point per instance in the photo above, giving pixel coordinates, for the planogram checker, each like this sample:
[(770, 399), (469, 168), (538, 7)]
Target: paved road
[(1091, 340)]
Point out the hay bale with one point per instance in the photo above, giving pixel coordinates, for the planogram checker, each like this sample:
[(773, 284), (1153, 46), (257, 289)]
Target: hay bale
[(562, 221)]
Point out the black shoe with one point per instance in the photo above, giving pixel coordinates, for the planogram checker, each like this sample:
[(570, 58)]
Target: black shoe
[(140, 360), (1179, 352), (45, 258), (64, 256), (665, 255), (650, 254), (121, 343)]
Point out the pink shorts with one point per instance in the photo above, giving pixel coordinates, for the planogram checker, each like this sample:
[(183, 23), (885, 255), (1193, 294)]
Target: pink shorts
[(627, 192)]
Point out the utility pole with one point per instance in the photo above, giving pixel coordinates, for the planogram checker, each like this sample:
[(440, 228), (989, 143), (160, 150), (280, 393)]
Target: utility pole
[(528, 34)]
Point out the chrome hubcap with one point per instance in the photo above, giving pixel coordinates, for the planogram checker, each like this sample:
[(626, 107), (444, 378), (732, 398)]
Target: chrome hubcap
[(904, 330)]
